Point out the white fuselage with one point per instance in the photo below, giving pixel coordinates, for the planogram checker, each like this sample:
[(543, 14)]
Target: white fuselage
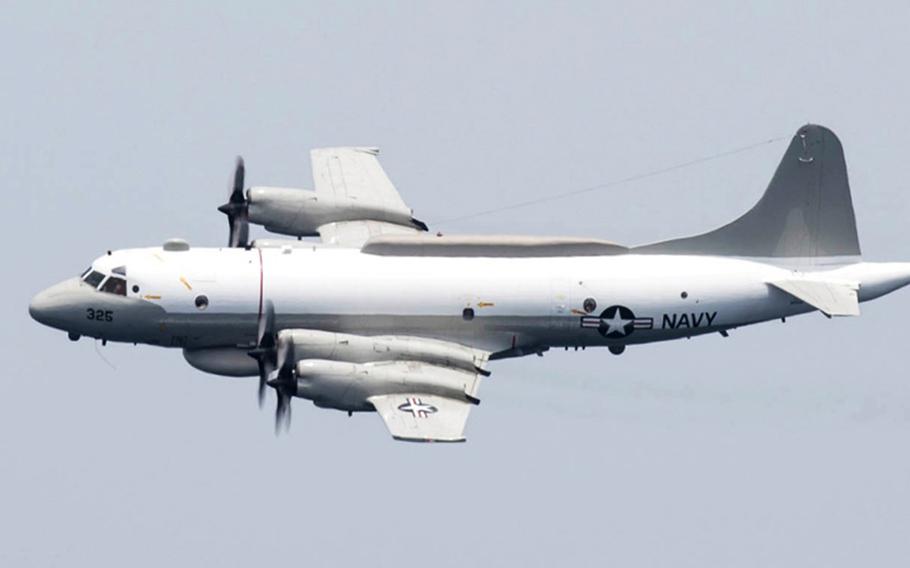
[(496, 304)]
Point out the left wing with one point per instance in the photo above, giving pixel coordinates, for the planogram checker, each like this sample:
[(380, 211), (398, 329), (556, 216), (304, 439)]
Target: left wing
[(354, 175), (423, 418), (422, 388)]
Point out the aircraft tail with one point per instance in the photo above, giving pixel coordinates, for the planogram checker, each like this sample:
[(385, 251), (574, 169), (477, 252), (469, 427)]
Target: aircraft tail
[(806, 212)]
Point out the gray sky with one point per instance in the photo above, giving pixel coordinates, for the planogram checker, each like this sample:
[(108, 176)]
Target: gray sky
[(781, 445)]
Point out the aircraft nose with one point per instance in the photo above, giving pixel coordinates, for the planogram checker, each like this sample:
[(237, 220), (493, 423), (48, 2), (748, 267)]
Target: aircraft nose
[(52, 306), (39, 307)]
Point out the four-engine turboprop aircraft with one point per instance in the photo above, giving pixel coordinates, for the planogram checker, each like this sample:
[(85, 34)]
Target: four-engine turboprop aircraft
[(381, 315)]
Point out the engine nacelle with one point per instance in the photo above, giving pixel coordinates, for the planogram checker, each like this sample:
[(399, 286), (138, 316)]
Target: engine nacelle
[(227, 361), (300, 212), (314, 344), (348, 386)]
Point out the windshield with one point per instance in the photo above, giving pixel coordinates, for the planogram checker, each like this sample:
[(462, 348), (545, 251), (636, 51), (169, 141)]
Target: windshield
[(115, 285), (93, 278)]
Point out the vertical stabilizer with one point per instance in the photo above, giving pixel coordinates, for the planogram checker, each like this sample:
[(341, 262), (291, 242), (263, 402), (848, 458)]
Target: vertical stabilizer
[(805, 212)]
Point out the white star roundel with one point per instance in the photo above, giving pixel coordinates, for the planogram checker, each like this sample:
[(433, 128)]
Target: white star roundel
[(616, 322)]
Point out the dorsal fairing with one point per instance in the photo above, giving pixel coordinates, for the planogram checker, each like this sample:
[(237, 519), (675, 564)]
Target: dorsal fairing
[(806, 211)]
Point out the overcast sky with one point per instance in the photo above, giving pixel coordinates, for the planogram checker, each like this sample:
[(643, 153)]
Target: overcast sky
[(784, 444)]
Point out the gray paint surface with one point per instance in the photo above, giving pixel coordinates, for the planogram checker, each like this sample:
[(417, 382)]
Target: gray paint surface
[(805, 212), (784, 444)]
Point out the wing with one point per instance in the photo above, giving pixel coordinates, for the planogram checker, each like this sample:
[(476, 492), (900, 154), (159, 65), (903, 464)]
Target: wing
[(423, 418), (423, 388), (355, 175), (356, 233)]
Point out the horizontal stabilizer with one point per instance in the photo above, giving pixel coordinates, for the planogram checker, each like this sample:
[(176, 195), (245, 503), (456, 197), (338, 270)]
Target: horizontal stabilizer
[(831, 298)]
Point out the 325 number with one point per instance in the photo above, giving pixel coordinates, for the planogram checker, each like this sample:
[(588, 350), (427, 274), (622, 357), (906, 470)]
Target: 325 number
[(99, 315)]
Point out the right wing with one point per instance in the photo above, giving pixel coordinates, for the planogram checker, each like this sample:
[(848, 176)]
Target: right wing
[(354, 174), (356, 233)]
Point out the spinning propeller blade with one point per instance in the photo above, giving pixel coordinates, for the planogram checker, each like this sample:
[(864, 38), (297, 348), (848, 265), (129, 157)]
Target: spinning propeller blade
[(264, 352), (284, 381), (275, 355), (237, 209)]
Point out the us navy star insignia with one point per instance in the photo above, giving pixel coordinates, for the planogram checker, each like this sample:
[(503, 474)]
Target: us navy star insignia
[(616, 324), (616, 321)]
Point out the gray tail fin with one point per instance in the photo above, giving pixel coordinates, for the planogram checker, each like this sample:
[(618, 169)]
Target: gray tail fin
[(805, 212)]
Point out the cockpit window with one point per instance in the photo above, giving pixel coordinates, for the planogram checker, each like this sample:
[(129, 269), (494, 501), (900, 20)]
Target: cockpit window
[(93, 278), (121, 270), (85, 272), (115, 285)]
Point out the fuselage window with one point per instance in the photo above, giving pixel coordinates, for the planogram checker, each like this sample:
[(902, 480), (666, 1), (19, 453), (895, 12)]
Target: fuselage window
[(115, 285), (94, 278)]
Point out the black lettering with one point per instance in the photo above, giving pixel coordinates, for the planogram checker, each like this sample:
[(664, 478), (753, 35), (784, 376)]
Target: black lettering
[(669, 323), (99, 315), (696, 320), (711, 317), (683, 321)]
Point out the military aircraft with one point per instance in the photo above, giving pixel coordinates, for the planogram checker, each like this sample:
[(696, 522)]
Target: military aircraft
[(382, 315)]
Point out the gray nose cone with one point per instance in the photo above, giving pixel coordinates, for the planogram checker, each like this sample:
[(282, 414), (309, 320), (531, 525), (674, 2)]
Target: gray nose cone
[(52, 307), (39, 307)]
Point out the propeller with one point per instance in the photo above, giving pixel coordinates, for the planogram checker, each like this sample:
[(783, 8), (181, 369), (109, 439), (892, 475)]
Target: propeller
[(237, 209), (264, 352), (275, 355), (284, 381)]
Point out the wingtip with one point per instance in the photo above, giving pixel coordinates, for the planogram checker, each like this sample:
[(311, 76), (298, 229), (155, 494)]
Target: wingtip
[(430, 440)]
